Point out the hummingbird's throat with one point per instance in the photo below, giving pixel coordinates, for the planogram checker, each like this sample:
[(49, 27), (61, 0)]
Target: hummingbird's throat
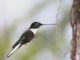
[(34, 30)]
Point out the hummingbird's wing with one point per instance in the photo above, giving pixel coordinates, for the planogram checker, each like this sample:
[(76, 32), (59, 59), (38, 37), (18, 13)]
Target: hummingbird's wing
[(16, 46), (13, 50)]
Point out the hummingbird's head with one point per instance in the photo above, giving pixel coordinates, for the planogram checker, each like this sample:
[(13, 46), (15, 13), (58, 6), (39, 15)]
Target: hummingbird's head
[(35, 25)]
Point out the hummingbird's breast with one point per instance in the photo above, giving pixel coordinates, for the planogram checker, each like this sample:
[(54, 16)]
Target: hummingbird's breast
[(27, 36)]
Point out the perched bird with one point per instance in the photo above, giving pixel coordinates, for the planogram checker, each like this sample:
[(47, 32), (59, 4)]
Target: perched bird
[(26, 37)]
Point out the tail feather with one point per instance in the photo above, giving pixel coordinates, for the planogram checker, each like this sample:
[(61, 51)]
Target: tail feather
[(13, 50)]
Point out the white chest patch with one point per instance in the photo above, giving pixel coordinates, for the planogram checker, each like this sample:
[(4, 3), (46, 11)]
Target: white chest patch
[(34, 30)]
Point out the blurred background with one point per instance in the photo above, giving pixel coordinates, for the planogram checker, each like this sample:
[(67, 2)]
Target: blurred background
[(50, 43)]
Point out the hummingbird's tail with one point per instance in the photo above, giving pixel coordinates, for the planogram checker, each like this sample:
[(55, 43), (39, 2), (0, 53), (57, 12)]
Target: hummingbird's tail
[(13, 50)]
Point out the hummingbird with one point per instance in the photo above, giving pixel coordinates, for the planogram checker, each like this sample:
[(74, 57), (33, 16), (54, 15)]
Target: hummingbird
[(26, 37)]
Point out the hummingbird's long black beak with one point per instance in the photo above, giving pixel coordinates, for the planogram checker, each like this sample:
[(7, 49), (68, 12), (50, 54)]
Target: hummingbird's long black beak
[(49, 24)]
